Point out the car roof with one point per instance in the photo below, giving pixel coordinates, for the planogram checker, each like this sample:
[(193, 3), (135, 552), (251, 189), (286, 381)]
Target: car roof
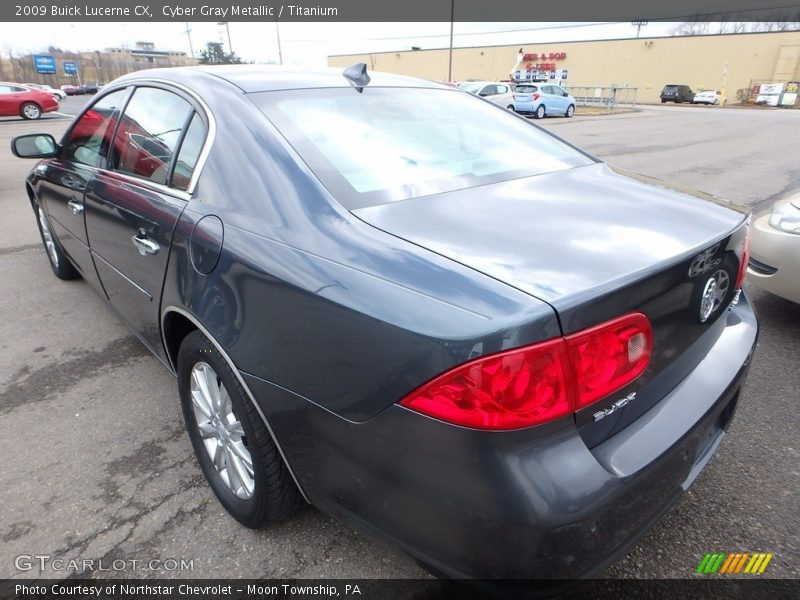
[(262, 78)]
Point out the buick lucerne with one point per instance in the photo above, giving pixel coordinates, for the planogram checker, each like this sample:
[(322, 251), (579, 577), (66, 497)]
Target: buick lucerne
[(407, 306)]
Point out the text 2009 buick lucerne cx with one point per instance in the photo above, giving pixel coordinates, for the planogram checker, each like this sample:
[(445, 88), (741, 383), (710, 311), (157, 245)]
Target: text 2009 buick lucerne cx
[(407, 306)]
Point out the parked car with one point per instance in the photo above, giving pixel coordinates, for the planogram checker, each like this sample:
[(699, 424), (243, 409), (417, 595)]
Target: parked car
[(70, 90), (707, 97), (775, 261), (17, 100), (55, 92), (543, 99), (408, 308), (676, 93), (494, 91), (87, 88)]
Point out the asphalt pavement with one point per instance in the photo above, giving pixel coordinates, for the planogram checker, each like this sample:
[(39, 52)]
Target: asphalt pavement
[(97, 464)]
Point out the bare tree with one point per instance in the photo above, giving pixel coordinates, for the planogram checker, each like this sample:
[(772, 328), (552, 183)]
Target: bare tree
[(691, 28), (775, 26)]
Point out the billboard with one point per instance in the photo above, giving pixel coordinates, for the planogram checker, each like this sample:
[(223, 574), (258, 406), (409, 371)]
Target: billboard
[(46, 65), (70, 68)]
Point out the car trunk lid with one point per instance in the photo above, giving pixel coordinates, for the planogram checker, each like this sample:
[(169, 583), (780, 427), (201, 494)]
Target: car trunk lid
[(594, 244)]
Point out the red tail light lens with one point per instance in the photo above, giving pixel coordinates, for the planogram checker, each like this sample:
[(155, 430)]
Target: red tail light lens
[(539, 383), (536, 96), (609, 356), (745, 258)]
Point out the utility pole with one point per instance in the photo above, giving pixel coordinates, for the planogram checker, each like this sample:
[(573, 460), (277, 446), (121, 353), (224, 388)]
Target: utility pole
[(638, 25), (278, 35), (189, 35), (228, 29), (450, 58)]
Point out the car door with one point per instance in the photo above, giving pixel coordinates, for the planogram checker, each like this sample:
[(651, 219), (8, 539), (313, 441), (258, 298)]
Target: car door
[(8, 105), (132, 206), (64, 179), (504, 97)]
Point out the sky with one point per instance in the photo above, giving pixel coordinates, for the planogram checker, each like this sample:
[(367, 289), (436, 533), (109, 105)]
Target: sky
[(304, 44)]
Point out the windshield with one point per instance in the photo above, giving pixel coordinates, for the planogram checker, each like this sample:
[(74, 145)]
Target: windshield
[(389, 144)]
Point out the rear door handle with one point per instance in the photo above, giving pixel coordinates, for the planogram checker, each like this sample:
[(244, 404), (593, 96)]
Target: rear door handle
[(75, 206), (145, 245)]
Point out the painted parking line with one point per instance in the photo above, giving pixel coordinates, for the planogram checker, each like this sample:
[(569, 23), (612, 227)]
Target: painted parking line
[(60, 114)]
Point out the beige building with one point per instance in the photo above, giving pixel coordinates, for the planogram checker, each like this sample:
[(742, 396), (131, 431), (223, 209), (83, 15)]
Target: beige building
[(725, 62)]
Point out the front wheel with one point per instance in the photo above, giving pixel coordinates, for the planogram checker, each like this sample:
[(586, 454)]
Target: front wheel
[(30, 110), (570, 111), (510, 107), (62, 267), (539, 112), (233, 446)]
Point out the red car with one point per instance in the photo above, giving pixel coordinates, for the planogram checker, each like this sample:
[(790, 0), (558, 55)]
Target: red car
[(19, 101)]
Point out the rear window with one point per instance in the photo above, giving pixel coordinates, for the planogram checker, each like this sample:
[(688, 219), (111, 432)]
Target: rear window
[(670, 88), (389, 144), (526, 89)]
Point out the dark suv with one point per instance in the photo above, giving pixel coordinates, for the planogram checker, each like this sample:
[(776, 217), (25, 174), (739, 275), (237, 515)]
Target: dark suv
[(677, 93)]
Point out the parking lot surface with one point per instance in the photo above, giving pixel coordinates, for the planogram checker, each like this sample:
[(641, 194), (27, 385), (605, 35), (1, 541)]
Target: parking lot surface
[(97, 465)]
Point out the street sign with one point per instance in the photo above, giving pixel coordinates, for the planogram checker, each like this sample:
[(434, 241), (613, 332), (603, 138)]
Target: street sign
[(46, 65), (70, 68)]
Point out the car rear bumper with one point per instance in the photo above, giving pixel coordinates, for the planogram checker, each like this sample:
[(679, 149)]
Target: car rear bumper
[(775, 260), (526, 107), (533, 503)]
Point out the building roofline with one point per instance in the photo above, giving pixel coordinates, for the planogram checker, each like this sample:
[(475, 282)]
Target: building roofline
[(624, 39)]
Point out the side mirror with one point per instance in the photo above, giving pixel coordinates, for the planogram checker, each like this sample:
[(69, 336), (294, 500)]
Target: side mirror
[(483, 94), (36, 145), (565, 94)]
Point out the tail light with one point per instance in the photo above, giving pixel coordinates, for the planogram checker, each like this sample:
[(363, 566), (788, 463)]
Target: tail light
[(539, 383), (536, 96), (744, 259)]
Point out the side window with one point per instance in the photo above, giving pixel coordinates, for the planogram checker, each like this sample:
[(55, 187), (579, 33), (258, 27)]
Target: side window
[(488, 90), (89, 139), (190, 150), (5, 89), (502, 89), (148, 134)]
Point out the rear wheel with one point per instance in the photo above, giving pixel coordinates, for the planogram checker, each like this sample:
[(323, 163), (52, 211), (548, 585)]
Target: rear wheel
[(30, 110), (510, 107), (233, 446), (539, 112), (570, 111)]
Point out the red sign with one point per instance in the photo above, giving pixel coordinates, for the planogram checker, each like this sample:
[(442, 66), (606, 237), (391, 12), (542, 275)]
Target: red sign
[(544, 56)]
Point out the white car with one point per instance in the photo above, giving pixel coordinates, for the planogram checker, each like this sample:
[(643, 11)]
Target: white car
[(494, 91), (707, 97), (775, 250), (55, 92)]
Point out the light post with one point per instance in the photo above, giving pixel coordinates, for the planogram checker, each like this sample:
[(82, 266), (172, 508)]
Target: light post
[(228, 30), (450, 57)]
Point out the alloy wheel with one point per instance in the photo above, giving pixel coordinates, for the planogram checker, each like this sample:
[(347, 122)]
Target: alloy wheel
[(221, 431), (49, 244), (31, 111), (714, 294)]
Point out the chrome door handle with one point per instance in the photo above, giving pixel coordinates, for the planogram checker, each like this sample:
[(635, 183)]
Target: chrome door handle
[(144, 245), (75, 206)]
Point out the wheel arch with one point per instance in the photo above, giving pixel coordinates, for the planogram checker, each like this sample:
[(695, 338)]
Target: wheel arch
[(176, 324)]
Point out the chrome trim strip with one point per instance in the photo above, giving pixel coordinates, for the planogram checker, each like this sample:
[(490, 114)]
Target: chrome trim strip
[(238, 377)]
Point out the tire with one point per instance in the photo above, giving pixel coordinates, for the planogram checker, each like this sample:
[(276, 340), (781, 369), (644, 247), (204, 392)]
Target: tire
[(59, 263), (30, 111), (510, 107), (540, 112), (570, 111), (266, 493), (663, 101)]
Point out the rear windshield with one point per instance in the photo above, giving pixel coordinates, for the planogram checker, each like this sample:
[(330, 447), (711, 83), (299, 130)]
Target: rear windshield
[(389, 144), (671, 88), (526, 89)]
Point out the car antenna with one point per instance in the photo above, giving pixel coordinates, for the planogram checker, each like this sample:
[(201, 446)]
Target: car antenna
[(357, 76)]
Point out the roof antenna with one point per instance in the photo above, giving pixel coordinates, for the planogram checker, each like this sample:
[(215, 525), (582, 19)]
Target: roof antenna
[(357, 76)]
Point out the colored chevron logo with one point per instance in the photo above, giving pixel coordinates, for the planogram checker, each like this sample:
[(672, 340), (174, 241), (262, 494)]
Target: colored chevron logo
[(723, 563)]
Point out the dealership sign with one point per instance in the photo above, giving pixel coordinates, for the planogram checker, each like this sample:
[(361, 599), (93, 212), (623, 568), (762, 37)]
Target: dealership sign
[(70, 68), (769, 93), (46, 65)]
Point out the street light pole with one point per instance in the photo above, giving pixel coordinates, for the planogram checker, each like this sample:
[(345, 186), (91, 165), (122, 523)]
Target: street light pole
[(189, 35), (278, 35), (228, 30)]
